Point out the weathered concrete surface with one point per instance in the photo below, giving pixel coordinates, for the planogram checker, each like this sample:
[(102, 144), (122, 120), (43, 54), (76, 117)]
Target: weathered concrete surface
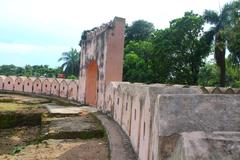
[(175, 114), (119, 143), (58, 109), (101, 62), (202, 146), (84, 127), (132, 106)]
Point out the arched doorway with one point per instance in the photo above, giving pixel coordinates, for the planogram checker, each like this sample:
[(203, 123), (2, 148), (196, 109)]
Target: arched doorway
[(91, 83)]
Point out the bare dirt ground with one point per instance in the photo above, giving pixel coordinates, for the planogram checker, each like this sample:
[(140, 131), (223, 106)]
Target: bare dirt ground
[(65, 149), (24, 143), (18, 136)]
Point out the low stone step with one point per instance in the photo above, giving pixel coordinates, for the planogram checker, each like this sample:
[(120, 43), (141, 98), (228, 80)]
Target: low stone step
[(83, 127)]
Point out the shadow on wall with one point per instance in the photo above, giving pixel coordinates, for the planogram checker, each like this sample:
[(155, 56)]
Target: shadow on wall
[(64, 88)]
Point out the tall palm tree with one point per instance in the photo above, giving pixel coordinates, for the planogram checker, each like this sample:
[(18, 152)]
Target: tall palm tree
[(220, 22), (71, 63), (233, 33)]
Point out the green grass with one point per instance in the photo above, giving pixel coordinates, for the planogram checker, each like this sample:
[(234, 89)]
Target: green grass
[(6, 100), (14, 106), (13, 119)]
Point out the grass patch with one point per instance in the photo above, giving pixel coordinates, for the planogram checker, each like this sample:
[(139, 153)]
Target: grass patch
[(12, 119), (6, 100), (17, 149), (14, 106)]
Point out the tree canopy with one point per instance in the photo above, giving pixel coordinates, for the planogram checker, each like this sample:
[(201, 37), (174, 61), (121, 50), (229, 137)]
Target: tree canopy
[(140, 30), (178, 54), (36, 71), (181, 49), (224, 31)]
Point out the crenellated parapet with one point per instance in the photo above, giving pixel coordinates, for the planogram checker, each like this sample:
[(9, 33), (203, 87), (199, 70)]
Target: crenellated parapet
[(64, 88), (159, 116)]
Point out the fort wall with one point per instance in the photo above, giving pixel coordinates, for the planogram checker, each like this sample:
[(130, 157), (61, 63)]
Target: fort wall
[(46, 86), (162, 121), (150, 114), (101, 60)]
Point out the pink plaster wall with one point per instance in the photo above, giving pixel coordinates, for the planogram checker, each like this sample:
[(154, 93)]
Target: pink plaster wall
[(28, 85), (126, 113), (110, 98), (37, 86), (63, 89), (9, 83), (72, 90), (118, 106), (1, 82), (55, 87), (115, 50), (18, 84), (135, 120), (145, 130), (46, 87), (104, 45)]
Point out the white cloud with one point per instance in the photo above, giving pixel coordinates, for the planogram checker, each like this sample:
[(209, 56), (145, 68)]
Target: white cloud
[(73, 15), (28, 49), (44, 24)]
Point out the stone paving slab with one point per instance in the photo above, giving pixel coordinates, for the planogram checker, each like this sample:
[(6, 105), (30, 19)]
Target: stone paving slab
[(57, 109), (84, 126), (120, 146)]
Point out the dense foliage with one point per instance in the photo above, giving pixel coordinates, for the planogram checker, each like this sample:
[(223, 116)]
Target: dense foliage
[(178, 54), (181, 49), (139, 30), (36, 71), (70, 68)]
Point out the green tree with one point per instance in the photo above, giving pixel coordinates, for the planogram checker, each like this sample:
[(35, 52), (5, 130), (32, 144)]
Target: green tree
[(208, 75), (162, 58), (11, 70), (233, 32), (138, 50), (72, 77), (28, 71), (220, 22), (140, 30), (137, 61), (179, 50), (71, 63)]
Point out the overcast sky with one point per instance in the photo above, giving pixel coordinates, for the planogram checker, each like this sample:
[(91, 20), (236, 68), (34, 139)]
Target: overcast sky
[(38, 31)]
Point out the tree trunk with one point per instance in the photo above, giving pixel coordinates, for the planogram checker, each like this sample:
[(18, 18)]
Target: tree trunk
[(222, 67), (220, 49)]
